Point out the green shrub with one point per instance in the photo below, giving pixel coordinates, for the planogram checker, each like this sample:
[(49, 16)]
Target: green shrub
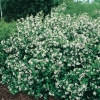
[(15, 9), (59, 57)]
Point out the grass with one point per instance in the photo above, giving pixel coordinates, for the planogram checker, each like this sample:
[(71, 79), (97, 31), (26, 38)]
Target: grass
[(6, 29)]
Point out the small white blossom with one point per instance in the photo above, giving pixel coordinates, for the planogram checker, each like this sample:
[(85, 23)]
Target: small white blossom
[(94, 93), (30, 62)]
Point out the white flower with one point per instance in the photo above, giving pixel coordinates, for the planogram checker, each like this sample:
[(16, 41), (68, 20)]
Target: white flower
[(68, 88), (57, 84), (43, 54), (2, 42), (77, 63), (66, 93), (20, 88), (56, 71), (77, 98), (47, 60), (96, 87), (80, 94), (51, 93), (94, 93), (30, 62), (19, 76)]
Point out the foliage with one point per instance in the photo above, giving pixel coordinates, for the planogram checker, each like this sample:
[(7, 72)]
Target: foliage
[(98, 1), (58, 57), (80, 8), (15, 9), (6, 30)]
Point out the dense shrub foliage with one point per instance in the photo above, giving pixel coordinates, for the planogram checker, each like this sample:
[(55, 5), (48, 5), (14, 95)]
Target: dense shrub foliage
[(15, 9), (58, 57)]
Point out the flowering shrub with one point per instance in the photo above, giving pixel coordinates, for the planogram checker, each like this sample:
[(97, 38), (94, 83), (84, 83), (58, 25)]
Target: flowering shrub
[(58, 57)]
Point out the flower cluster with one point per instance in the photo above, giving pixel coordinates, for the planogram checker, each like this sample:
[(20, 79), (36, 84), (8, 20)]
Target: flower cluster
[(58, 57)]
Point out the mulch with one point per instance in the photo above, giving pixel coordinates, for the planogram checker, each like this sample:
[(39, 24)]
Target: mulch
[(6, 95)]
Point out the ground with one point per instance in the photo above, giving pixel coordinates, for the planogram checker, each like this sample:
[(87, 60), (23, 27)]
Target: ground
[(6, 95)]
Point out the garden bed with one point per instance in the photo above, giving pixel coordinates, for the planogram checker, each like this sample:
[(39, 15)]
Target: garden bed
[(6, 95)]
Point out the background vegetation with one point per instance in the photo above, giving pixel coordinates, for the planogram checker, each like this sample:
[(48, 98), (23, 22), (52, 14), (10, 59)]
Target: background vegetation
[(15, 9), (6, 30), (97, 1), (92, 9)]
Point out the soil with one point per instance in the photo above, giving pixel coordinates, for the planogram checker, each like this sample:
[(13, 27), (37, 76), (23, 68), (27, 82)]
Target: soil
[(6, 95)]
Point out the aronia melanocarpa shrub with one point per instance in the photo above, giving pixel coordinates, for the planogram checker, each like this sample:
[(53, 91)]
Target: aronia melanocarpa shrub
[(58, 57)]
